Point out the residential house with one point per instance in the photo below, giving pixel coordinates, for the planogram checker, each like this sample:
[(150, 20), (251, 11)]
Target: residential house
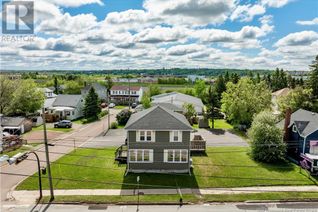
[(67, 107), (179, 99), (301, 133), (121, 94), (48, 93), (158, 141), (275, 96), (16, 125), (99, 89)]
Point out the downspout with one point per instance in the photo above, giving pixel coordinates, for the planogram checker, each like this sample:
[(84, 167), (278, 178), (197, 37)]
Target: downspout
[(127, 153), (304, 145)]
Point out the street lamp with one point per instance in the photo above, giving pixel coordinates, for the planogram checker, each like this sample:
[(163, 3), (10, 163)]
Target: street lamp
[(138, 179), (18, 158)]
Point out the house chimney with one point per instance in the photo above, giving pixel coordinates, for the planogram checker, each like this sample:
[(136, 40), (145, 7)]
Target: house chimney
[(287, 123)]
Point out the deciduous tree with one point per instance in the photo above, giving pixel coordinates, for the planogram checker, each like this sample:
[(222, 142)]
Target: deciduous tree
[(267, 139)]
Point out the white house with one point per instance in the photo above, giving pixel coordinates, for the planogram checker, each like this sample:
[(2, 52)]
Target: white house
[(124, 94), (48, 93), (67, 107), (179, 99)]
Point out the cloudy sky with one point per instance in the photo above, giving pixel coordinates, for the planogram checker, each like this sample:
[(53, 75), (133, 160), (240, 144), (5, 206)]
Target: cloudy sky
[(120, 34)]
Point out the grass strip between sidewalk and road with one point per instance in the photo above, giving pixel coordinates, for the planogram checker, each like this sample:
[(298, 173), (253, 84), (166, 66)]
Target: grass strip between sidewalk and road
[(188, 198)]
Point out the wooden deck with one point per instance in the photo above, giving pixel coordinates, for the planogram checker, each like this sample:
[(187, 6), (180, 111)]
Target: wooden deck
[(198, 144), (121, 154)]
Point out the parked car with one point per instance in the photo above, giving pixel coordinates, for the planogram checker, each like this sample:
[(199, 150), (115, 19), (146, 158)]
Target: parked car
[(134, 105), (63, 124), (6, 134), (111, 105)]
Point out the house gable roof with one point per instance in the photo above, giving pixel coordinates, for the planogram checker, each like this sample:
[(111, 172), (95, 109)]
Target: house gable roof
[(305, 121), (157, 118), (125, 88), (175, 97), (67, 100), (12, 121)]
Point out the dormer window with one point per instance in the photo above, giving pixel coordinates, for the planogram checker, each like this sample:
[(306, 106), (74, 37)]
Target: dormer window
[(294, 128)]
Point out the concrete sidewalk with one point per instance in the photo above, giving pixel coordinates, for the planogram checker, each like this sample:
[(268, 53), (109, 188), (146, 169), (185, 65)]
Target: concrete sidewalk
[(30, 196)]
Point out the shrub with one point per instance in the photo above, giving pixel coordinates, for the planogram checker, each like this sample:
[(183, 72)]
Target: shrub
[(123, 116), (113, 125), (102, 114), (267, 139)]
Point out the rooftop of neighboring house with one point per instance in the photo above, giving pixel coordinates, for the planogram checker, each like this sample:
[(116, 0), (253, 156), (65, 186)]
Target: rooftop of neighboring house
[(95, 85), (67, 100), (305, 121), (175, 96), (12, 121), (49, 102), (125, 88), (158, 118), (169, 106), (281, 92)]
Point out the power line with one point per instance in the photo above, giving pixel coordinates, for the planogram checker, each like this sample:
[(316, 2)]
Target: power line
[(127, 184)]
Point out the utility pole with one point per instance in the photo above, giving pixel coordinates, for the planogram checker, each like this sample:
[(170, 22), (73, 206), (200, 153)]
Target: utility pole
[(1, 137), (47, 155), (129, 91), (138, 179)]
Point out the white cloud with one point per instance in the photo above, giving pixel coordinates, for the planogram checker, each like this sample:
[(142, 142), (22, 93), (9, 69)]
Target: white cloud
[(246, 13), (190, 12), (304, 38), (181, 50), (275, 3), (161, 34), (308, 23), (67, 24)]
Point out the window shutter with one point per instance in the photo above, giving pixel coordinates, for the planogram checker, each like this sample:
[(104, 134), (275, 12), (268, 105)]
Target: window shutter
[(180, 136), (153, 136), (165, 156), (137, 135), (171, 136), (151, 155)]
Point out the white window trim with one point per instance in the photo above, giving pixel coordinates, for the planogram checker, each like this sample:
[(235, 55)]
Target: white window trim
[(294, 128), (153, 134), (179, 136), (143, 154), (165, 156)]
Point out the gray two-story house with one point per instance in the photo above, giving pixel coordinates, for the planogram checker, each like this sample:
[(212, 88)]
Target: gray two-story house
[(158, 141)]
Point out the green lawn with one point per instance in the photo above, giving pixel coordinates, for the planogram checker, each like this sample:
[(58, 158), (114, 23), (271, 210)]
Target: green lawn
[(121, 107), (23, 148), (188, 198), (220, 124), (52, 129), (222, 167)]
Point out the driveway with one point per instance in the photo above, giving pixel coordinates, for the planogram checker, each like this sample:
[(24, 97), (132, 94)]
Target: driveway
[(113, 138), (221, 138)]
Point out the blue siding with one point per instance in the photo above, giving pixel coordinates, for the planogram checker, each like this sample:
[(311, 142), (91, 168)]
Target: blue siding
[(311, 137)]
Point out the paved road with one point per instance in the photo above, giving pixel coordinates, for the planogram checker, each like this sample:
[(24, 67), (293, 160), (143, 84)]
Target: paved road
[(274, 207), (28, 167), (113, 138), (221, 138)]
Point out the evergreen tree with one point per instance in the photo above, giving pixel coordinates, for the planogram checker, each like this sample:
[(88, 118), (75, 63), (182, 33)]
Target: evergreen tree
[(258, 78), (213, 103), (220, 86), (226, 77), (91, 107), (313, 79), (56, 86), (235, 78)]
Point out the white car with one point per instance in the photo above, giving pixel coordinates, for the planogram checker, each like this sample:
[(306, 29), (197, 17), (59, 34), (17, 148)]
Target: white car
[(111, 105)]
